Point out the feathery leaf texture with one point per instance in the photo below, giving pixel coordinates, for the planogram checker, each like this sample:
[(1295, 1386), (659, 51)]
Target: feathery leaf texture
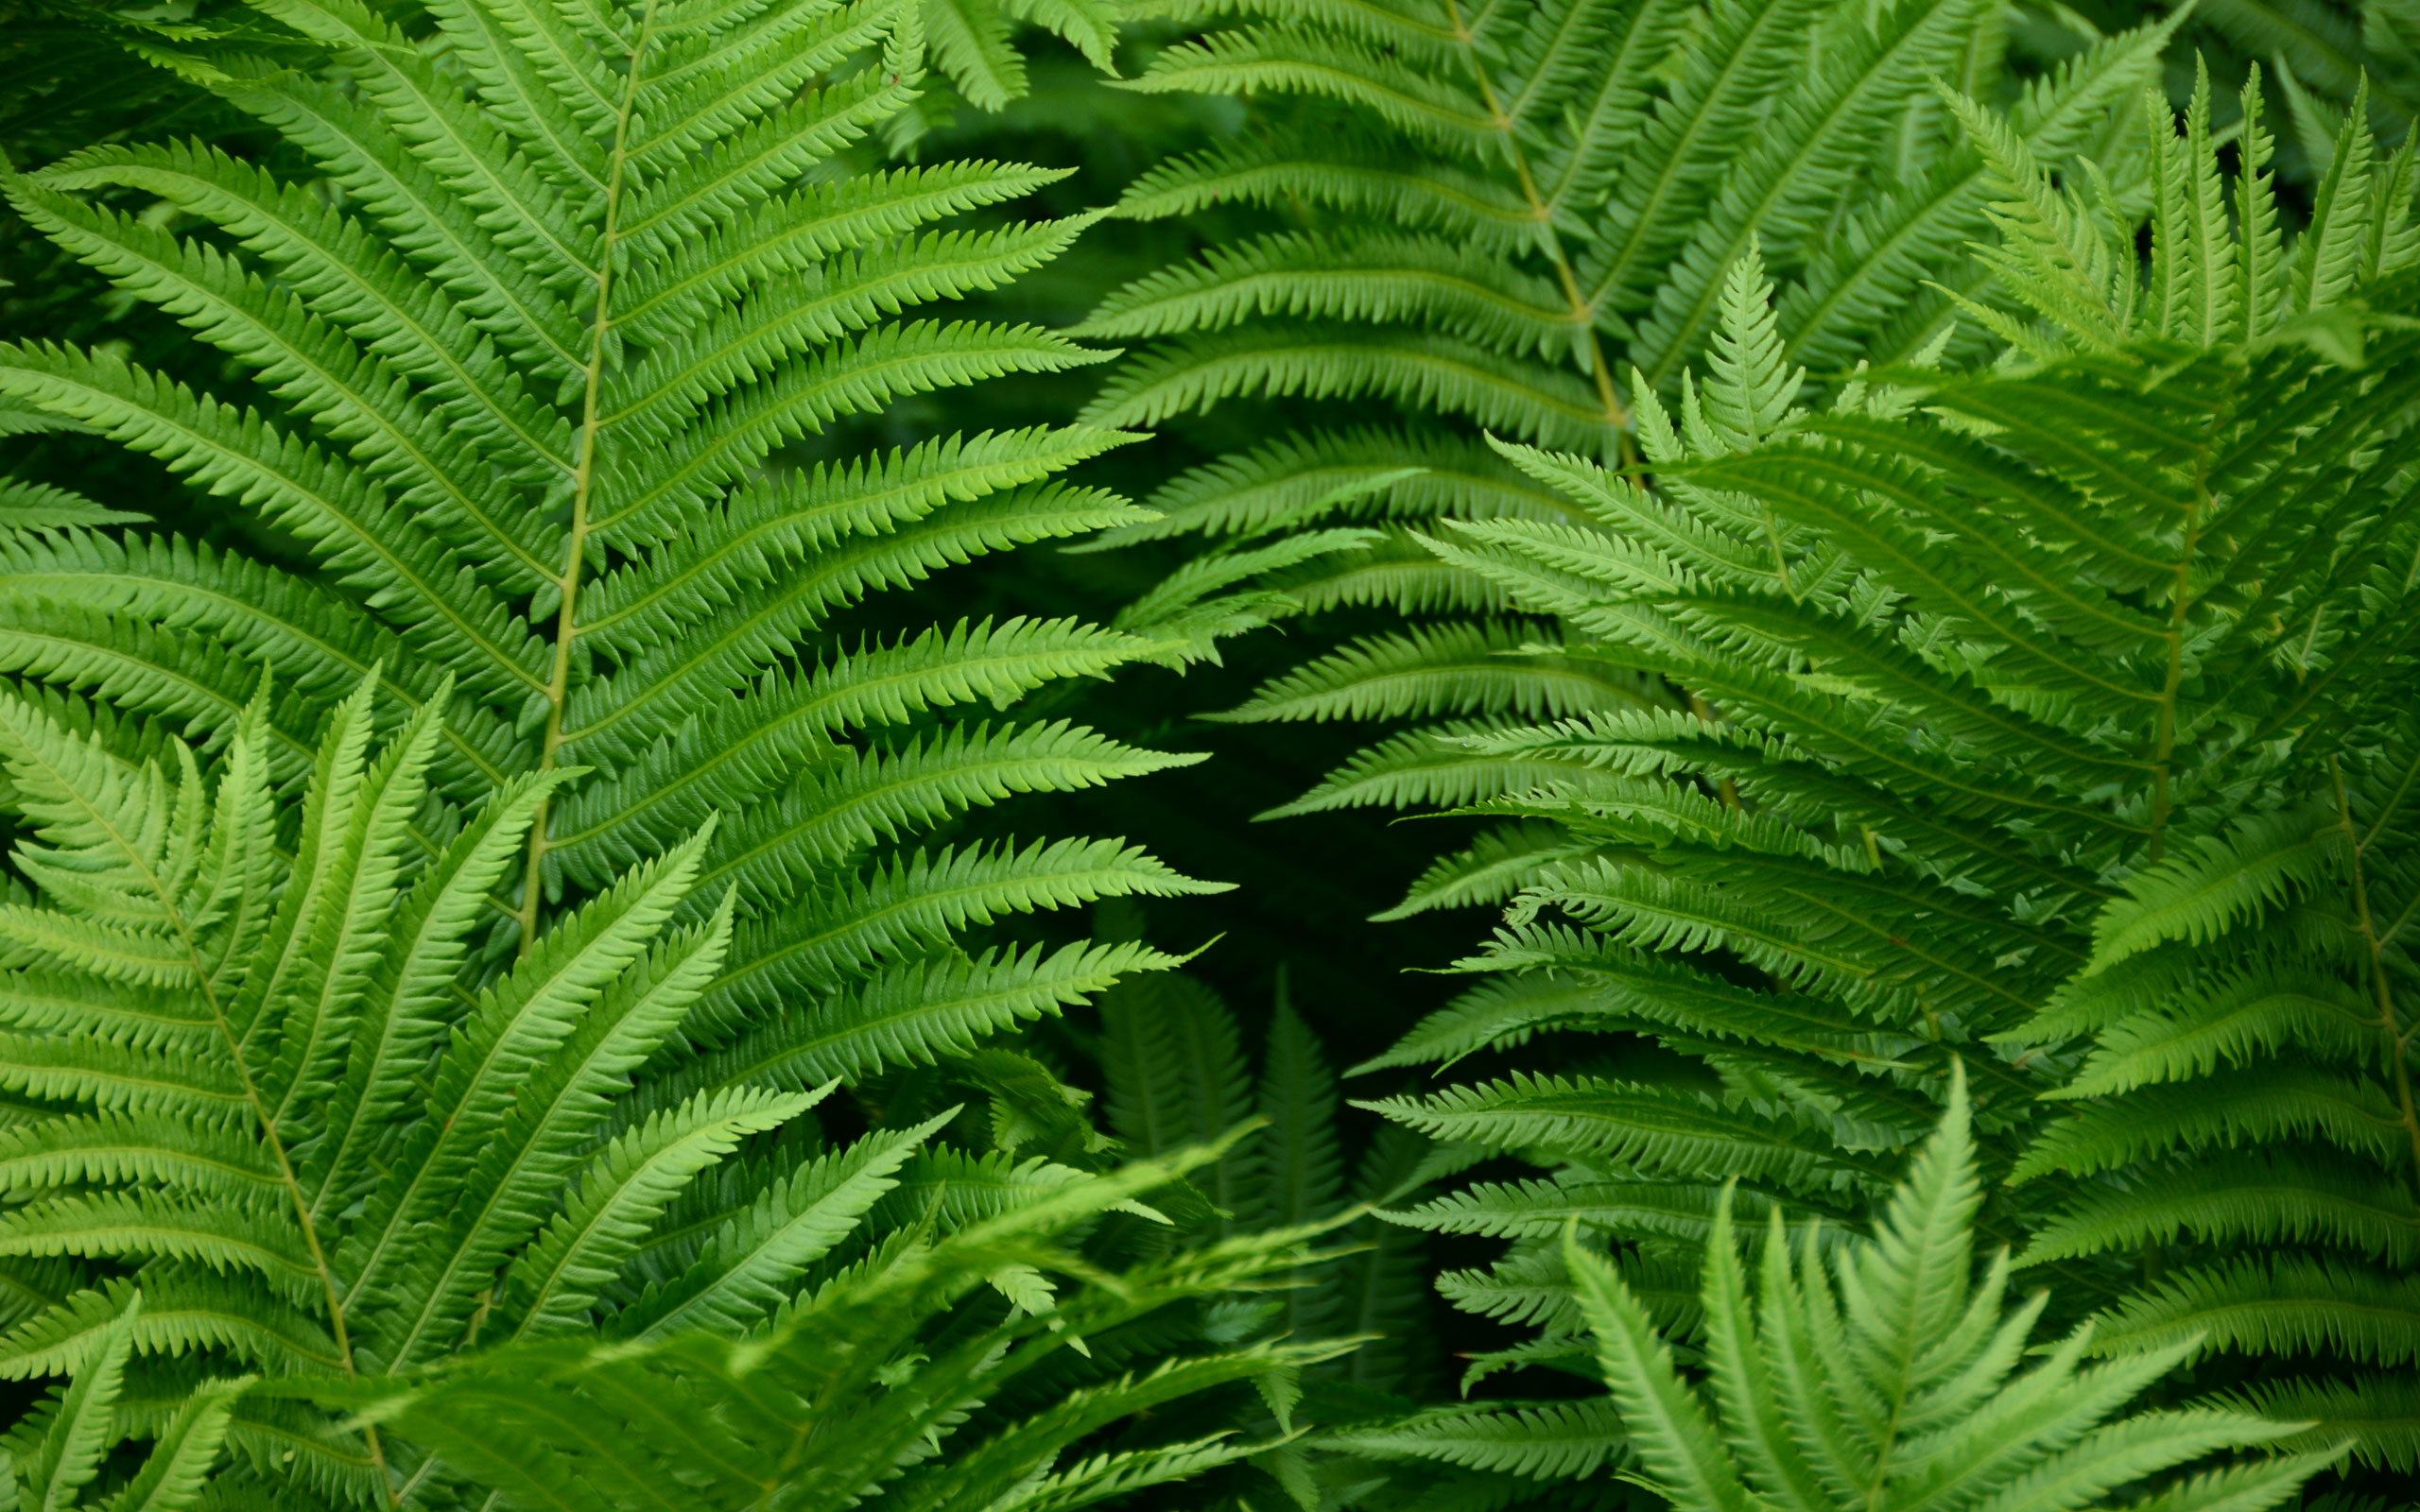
[(1891, 1378), (2004, 709), (1508, 216), (525, 332), (930, 1374), (321, 1147)]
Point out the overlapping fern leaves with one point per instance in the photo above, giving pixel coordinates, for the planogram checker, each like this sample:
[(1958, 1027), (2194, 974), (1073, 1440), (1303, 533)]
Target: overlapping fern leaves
[(2323, 54), (1963, 657), (265, 1139), (57, 1456), (1177, 1075), (898, 1384), (973, 40), (525, 348), (2237, 1048), (261, 1127), (2236, 1107), (1490, 215), (1797, 1368)]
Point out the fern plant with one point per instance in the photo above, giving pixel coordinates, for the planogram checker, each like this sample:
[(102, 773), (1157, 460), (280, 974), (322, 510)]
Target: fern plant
[(1883, 1374), (1963, 653), (263, 1126), (531, 337), (899, 1382), (1488, 216)]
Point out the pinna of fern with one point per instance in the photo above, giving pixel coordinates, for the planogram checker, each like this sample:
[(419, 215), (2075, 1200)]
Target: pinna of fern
[(264, 1125), (558, 284), (902, 1382), (1884, 1374), (1964, 654), (973, 41), (66, 1452)]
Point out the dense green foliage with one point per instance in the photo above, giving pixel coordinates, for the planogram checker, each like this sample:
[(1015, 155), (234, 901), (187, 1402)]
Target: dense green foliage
[(895, 1383), (1882, 1373), (1881, 534), (1511, 232), (314, 1161), (542, 434), (1972, 659)]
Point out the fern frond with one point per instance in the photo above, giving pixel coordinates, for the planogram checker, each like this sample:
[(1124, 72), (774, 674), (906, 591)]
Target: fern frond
[(2223, 1109), (40, 506), (1654, 1127), (183, 1309), (2231, 1198), (745, 1268), (128, 1149), (514, 1031), (1546, 1441), (236, 454), (222, 1236), (1416, 370), (1232, 62), (2280, 1307)]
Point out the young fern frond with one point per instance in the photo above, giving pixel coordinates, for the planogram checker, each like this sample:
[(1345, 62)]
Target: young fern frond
[(1795, 1365)]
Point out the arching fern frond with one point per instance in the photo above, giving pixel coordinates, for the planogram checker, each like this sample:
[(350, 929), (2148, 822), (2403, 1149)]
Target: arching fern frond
[(523, 318)]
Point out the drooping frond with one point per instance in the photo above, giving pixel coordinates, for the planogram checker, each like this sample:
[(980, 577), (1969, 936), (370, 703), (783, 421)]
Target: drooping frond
[(822, 1403)]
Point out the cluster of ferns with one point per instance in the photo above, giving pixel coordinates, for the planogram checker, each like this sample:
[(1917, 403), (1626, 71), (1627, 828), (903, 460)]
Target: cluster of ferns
[(587, 587)]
